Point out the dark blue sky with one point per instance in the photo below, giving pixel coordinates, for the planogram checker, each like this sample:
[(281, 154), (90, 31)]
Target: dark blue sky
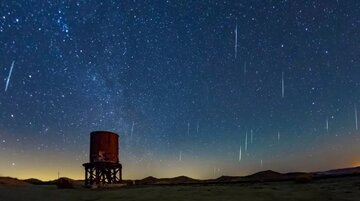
[(171, 77)]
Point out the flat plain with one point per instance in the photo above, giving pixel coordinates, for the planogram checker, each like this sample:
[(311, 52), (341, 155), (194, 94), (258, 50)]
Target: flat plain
[(345, 188)]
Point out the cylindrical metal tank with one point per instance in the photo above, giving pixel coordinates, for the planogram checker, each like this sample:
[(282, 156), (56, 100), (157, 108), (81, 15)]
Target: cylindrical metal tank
[(104, 147)]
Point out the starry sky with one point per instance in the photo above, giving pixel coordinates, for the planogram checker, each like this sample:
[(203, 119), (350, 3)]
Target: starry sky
[(196, 88)]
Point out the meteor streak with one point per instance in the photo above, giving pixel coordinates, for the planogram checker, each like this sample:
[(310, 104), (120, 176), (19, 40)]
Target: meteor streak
[(236, 36), (8, 79), (240, 153), (282, 85), (356, 118)]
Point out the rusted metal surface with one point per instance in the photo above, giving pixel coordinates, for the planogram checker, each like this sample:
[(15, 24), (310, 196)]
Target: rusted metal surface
[(104, 147), (104, 166)]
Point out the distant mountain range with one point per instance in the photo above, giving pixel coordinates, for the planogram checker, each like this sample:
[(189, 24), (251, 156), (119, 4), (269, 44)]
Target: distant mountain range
[(263, 176), (13, 182), (343, 171)]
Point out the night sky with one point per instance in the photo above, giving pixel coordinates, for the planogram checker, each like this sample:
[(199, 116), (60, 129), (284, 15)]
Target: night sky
[(187, 85)]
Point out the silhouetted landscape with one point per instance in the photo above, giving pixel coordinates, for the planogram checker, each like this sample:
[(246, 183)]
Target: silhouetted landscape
[(338, 184)]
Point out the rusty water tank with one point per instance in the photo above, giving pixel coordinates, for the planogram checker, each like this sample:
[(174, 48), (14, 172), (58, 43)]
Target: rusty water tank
[(104, 147)]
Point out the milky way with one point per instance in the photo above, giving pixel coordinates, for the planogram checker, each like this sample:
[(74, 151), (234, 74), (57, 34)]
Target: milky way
[(184, 83)]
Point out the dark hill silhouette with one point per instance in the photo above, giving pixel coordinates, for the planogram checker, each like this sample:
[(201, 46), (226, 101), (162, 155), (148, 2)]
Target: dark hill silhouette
[(339, 172), (175, 180), (9, 181), (34, 181), (263, 176), (147, 180), (224, 179)]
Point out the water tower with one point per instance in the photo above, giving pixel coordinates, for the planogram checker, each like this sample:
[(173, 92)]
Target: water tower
[(104, 166)]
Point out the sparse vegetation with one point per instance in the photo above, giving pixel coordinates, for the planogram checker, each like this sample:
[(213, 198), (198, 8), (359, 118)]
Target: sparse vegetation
[(304, 179), (64, 183), (319, 190)]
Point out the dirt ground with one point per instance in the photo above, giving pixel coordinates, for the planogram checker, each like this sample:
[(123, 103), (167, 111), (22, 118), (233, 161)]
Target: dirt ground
[(328, 189)]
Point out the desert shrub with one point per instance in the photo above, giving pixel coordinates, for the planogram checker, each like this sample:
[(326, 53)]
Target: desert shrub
[(65, 183), (129, 182), (303, 179)]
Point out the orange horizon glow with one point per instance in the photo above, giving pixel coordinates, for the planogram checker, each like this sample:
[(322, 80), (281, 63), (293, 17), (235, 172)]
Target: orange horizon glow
[(48, 175)]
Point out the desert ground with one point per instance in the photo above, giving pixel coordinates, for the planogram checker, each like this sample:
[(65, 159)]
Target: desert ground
[(346, 188)]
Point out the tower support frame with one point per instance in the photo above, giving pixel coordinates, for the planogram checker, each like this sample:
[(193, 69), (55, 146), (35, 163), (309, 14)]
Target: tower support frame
[(102, 173)]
